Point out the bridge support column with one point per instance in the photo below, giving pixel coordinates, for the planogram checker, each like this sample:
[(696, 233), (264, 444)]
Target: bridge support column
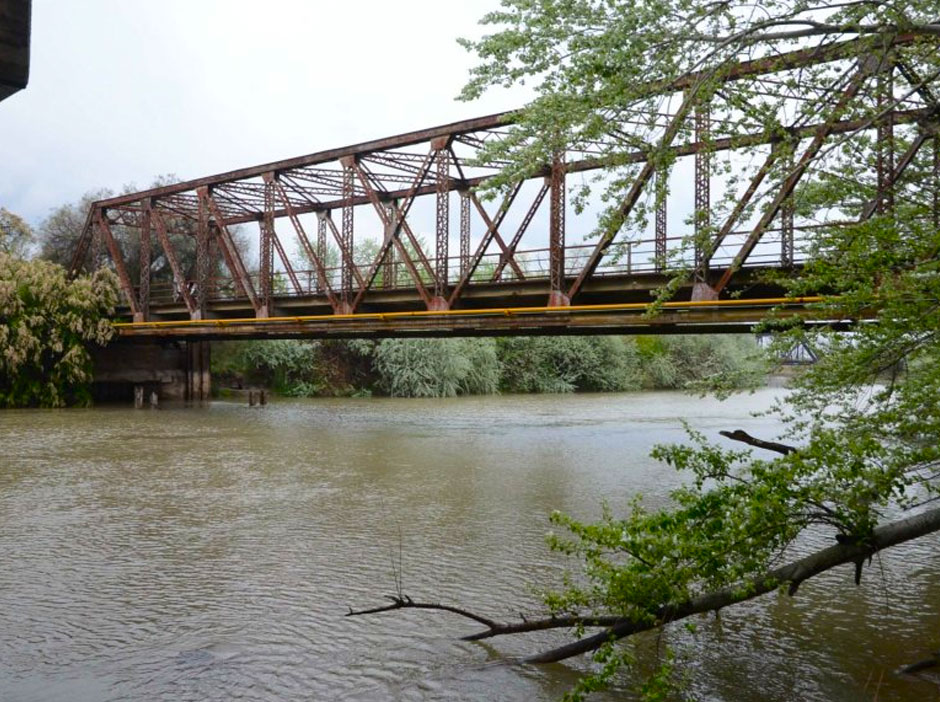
[(202, 258), (266, 252), (464, 232), (130, 371), (662, 191), (556, 235), (442, 239), (702, 120), (143, 313), (348, 242), (198, 376)]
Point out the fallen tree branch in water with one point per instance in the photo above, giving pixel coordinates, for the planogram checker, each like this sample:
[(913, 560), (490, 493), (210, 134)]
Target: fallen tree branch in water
[(925, 664), (794, 573), (744, 437)]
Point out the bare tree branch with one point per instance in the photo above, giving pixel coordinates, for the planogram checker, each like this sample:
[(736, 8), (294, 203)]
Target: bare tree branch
[(794, 573)]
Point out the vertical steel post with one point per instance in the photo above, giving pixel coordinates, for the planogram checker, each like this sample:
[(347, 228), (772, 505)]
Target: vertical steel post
[(556, 233), (884, 149), (787, 210), (662, 188), (346, 271), (464, 232), (702, 190), (146, 253), (390, 267), (266, 249), (321, 243), (97, 242), (202, 256), (117, 259), (703, 245), (442, 239)]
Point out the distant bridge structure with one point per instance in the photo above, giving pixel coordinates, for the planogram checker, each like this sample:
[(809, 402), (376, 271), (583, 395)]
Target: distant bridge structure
[(445, 262)]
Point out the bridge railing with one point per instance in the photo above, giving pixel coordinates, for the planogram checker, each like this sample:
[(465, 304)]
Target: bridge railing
[(637, 257)]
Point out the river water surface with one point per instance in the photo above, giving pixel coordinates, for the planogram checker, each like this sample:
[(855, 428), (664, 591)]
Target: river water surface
[(210, 554)]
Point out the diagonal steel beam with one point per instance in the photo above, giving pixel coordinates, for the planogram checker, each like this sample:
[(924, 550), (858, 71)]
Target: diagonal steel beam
[(170, 254), (492, 229), (271, 192), (314, 257), (633, 196), (233, 259), (866, 67), (740, 206), (393, 227), (491, 226), (523, 226), (899, 169), (345, 253), (84, 242), (118, 260)]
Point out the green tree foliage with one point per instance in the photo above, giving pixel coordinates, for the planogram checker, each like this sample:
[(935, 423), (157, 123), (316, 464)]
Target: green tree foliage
[(284, 365), (700, 362), (46, 323), (568, 363), (448, 367), (16, 236), (437, 367)]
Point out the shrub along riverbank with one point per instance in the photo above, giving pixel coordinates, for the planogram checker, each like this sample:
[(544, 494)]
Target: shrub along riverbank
[(449, 367)]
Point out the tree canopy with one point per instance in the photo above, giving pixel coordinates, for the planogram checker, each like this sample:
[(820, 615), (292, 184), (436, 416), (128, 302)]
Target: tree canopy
[(859, 461)]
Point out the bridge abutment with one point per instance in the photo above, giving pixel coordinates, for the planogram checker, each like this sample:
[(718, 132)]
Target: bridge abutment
[(174, 370)]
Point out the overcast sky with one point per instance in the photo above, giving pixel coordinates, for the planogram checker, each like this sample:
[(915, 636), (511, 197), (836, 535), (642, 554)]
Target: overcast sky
[(121, 91)]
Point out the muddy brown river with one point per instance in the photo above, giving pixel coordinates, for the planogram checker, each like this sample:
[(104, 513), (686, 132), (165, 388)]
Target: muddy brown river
[(211, 554)]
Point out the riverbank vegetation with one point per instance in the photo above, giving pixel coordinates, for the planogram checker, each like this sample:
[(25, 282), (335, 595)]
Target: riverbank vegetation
[(450, 367)]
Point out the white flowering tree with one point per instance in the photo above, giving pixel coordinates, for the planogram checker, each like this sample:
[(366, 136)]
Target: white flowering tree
[(47, 322)]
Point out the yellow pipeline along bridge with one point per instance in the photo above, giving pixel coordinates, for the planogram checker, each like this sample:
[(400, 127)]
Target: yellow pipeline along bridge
[(696, 317)]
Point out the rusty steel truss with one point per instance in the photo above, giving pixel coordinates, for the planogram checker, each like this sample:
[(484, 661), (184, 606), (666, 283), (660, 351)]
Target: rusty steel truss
[(374, 190)]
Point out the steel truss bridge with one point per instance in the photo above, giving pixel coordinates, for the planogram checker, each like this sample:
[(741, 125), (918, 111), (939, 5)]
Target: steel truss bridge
[(445, 262)]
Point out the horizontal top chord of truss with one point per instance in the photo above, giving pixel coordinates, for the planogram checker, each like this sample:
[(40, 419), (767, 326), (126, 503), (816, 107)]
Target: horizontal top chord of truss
[(383, 178)]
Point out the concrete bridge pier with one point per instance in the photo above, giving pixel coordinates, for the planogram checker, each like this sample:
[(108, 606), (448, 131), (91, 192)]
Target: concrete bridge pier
[(174, 370), (198, 376)]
